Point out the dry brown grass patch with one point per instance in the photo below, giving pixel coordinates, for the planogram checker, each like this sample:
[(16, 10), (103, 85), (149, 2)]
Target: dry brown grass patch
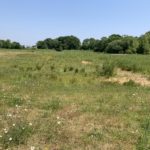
[(126, 76)]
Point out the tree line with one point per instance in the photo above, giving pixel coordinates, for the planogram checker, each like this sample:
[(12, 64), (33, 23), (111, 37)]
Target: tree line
[(10, 45), (115, 43), (112, 44)]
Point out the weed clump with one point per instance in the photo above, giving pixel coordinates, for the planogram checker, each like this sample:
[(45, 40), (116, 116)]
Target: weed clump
[(76, 70), (16, 135), (13, 101), (52, 105), (95, 134), (143, 140), (128, 66), (70, 68), (130, 83), (107, 69), (39, 66)]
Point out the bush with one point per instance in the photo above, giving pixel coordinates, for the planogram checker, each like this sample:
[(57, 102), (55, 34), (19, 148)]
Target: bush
[(70, 68), (76, 70), (107, 70)]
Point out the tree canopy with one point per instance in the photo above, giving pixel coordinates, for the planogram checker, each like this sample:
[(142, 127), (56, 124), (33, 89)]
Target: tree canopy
[(10, 45), (114, 43), (60, 43)]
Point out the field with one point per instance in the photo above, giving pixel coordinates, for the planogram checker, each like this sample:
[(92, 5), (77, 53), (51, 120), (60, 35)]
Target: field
[(74, 100)]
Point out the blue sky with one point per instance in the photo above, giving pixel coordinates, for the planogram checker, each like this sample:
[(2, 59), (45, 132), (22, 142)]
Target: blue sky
[(28, 21)]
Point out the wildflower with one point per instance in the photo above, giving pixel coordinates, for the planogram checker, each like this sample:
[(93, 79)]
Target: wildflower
[(5, 131), (14, 125), (1, 136), (25, 110), (58, 117), (30, 124), (59, 122), (17, 106), (10, 139), (32, 148), (9, 115)]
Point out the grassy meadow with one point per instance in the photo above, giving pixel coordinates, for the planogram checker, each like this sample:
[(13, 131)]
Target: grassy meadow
[(69, 101)]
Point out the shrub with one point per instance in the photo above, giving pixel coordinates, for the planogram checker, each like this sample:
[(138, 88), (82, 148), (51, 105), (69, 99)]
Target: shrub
[(76, 70), (107, 70), (70, 68)]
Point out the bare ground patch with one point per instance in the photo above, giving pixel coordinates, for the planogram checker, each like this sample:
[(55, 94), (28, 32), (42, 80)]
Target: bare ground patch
[(84, 62), (125, 76)]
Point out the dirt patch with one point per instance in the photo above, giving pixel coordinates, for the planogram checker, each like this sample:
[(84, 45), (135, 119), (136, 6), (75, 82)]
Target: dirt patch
[(86, 62), (125, 76)]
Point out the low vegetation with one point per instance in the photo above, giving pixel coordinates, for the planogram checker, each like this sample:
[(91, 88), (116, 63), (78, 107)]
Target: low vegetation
[(73, 100)]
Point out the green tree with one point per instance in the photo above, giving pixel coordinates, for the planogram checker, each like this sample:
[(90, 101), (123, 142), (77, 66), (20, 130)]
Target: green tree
[(1, 43), (115, 47), (51, 44), (126, 44), (16, 45), (41, 45), (69, 42), (114, 37), (131, 44), (7, 44), (101, 45), (89, 44), (144, 45)]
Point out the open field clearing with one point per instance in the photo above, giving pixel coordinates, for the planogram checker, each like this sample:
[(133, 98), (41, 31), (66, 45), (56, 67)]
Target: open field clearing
[(74, 100)]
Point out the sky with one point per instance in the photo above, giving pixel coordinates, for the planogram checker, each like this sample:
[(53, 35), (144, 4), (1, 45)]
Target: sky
[(28, 21)]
